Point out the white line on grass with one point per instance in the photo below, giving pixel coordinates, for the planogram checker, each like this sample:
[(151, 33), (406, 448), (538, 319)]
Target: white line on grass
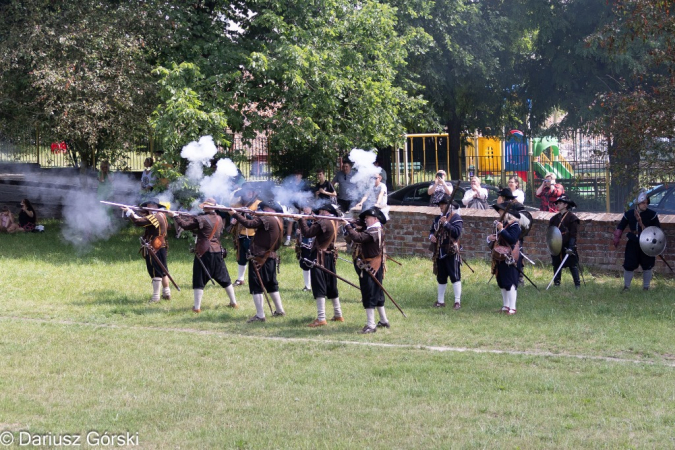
[(368, 344)]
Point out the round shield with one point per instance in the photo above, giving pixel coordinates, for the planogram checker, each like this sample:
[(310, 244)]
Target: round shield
[(652, 241), (554, 240)]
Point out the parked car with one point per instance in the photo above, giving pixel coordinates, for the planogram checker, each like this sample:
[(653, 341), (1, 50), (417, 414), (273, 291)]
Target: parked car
[(417, 195), (661, 199)]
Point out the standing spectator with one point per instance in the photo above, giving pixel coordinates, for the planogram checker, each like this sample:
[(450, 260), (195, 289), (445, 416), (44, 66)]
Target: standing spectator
[(376, 196), (147, 177), (382, 171), (548, 192), (346, 188), (105, 187), (514, 185), (476, 197), (439, 189), (324, 190)]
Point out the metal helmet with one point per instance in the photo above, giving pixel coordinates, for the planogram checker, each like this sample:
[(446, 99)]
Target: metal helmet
[(652, 241), (642, 196), (554, 240)]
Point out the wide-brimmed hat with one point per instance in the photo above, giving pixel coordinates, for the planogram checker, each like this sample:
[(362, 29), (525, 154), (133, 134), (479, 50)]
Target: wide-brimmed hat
[(331, 208), (447, 200), (565, 199), (154, 201), (208, 202), (271, 204), (373, 211), (510, 208), (506, 193)]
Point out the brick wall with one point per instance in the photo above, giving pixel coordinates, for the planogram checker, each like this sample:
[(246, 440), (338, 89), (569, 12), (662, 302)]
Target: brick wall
[(408, 234)]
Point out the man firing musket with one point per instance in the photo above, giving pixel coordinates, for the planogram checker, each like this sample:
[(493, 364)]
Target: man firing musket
[(209, 263), (153, 219), (324, 253), (263, 258)]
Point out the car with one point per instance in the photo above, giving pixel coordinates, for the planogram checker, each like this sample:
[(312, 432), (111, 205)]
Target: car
[(661, 199), (417, 194)]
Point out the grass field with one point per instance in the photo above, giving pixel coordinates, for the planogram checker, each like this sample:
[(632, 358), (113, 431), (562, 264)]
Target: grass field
[(82, 351)]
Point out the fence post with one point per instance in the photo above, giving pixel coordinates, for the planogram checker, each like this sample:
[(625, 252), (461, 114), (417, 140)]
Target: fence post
[(37, 143), (530, 169), (607, 187)]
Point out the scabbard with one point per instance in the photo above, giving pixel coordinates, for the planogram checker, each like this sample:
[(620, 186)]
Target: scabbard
[(154, 257)]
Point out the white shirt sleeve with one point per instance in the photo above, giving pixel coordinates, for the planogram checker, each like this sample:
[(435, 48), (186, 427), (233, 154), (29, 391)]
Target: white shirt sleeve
[(468, 196)]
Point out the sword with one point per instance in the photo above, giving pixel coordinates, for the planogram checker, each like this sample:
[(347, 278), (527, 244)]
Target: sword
[(204, 267), (319, 266), (346, 260), (380, 286), (664, 260), (151, 250), (463, 261), (559, 269), (528, 278), (525, 256), (257, 272), (393, 260)]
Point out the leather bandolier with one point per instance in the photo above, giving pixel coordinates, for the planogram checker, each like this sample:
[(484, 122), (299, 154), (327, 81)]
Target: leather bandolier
[(267, 238), (443, 241), (239, 230), (370, 255), (503, 251), (156, 228), (208, 227)]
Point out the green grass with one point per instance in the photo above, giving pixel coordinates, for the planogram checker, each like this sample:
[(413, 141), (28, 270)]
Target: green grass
[(81, 349)]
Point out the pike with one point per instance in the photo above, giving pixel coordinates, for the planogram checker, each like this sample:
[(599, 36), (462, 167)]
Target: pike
[(319, 266), (365, 269), (153, 254), (262, 285)]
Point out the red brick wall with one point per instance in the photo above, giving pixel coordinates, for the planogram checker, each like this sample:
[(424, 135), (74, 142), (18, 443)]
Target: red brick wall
[(408, 234)]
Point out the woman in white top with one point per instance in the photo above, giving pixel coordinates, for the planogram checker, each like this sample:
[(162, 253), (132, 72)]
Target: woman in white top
[(476, 197), (514, 185), (439, 188)]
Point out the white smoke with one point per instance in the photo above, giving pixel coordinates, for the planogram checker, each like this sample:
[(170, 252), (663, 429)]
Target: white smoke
[(292, 194), (364, 170), (86, 220), (220, 184)]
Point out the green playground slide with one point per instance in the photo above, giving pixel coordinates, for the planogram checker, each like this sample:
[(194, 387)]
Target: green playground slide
[(562, 172), (539, 169)]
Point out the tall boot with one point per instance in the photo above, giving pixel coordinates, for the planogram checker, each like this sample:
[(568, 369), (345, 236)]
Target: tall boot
[(574, 270)]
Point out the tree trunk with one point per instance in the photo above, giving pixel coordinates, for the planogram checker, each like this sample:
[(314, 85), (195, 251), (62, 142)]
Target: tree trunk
[(624, 170), (454, 128)]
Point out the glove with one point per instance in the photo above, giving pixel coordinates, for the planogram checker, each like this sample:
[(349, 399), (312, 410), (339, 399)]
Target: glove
[(633, 237), (617, 237)]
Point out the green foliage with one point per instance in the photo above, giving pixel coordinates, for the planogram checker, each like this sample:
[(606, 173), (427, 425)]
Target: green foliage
[(323, 76), (78, 70)]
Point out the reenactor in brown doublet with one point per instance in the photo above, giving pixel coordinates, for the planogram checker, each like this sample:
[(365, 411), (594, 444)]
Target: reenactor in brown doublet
[(209, 262), (248, 198), (368, 254), (156, 227), (263, 253), (324, 253), (568, 224)]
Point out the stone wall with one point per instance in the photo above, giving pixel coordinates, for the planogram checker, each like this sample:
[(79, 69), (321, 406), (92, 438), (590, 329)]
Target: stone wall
[(408, 234)]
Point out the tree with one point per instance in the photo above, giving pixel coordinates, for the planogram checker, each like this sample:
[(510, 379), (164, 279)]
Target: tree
[(320, 77), (81, 70)]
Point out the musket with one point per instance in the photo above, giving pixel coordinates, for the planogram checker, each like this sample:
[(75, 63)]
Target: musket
[(283, 215), (559, 269), (319, 266), (393, 260), (381, 287), (253, 264), (144, 208), (155, 258)]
